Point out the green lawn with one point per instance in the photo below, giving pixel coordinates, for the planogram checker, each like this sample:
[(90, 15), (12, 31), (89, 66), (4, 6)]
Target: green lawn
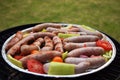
[(103, 15)]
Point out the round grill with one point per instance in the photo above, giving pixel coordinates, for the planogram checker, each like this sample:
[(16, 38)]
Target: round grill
[(112, 72)]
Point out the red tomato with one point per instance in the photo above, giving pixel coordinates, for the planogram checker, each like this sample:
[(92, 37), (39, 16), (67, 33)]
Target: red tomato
[(35, 66), (18, 57), (104, 44)]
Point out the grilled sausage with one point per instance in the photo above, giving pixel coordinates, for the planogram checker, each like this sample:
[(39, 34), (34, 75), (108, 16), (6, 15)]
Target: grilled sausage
[(43, 34), (51, 29), (26, 49), (74, 29), (42, 56), (16, 48), (85, 38), (71, 46), (89, 32), (40, 27), (58, 44), (18, 36), (81, 33), (88, 51), (48, 44), (82, 67), (95, 62)]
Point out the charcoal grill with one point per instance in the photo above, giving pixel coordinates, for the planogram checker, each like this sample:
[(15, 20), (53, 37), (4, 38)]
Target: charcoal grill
[(112, 72)]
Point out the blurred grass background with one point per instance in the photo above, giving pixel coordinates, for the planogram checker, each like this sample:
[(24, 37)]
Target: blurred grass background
[(103, 15)]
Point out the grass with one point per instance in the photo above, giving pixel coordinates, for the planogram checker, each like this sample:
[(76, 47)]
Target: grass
[(102, 15)]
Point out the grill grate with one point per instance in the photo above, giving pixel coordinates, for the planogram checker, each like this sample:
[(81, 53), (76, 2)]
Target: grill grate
[(111, 72)]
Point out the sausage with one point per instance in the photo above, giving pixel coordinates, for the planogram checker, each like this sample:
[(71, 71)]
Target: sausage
[(85, 38), (40, 27), (46, 67), (16, 48), (74, 29), (58, 44), (89, 32), (79, 68), (43, 34), (32, 36), (95, 62), (81, 33), (48, 44), (82, 67), (26, 49), (71, 46), (88, 51), (51, 29), (18, 36), (56, 32), (42, 56)]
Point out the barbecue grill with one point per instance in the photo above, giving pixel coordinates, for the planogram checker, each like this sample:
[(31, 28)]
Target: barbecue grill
[(112, 72)]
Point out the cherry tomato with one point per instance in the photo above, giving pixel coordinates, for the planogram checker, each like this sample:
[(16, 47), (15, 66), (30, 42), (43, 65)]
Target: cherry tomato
[(104, 44), (57, 59), (35, 66)]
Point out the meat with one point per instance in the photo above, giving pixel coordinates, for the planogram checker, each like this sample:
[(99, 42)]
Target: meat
[(90, 32), (58, 44), (81, 33), (16, 47), (95, 62), (40, 27), (71, 46), (50, 29), (42, 56), (48, 44), (82, 67), (43, 34), (74, 29), (31, 37), (79, 39), (88, 51), (18, 36), (26, 49)]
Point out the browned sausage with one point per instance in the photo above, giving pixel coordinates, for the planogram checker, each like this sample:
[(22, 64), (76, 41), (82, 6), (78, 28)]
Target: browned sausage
[(16, 48), (88, 51), (51, 29), (43, 34), (94, 62), (42, 56), (82, 67), (26, 49), (81, 33), (32, 36), (48, 44), (85, 38), (90, 32), (39, 27), (74, 30), (18, 36), (58, 44), (71, 46)]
